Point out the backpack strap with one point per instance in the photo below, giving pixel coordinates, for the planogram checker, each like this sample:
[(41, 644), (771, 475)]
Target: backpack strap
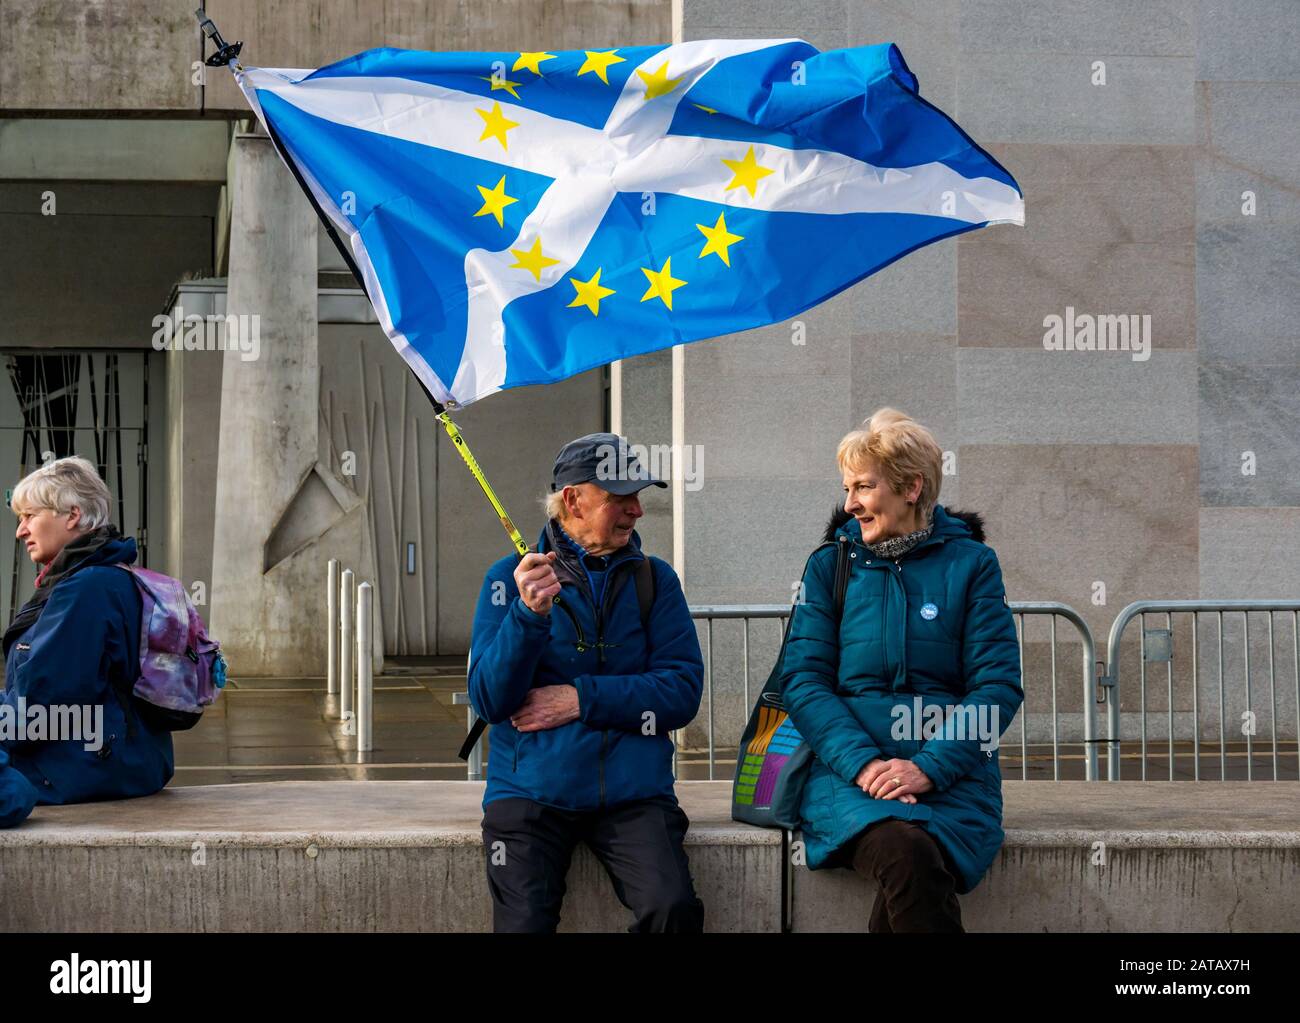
[(645, 590), (842, 551), (475, 732), (123, 689)]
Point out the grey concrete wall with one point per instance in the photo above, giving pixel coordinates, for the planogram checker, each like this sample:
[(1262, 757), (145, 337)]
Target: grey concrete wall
[(1088, 466), (116, 149), (112, 55), (96, 271), (137, 56), (320, 32)]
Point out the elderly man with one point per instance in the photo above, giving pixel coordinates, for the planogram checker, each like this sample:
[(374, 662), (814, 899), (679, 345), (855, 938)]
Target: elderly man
[(584, 657)]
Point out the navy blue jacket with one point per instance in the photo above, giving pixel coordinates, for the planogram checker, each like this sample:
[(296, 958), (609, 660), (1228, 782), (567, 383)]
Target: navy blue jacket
[(634, 686), (86, 641), (17, 796)]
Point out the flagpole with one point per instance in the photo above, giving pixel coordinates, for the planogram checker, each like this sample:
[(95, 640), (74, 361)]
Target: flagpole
[(227, 54)]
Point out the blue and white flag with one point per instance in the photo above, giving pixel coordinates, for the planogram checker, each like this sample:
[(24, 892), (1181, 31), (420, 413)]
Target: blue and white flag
[(521, 217)]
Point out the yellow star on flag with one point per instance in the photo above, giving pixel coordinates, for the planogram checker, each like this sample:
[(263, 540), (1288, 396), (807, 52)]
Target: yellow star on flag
[(600, 61), (495, 124), (495, 200), (501, 83), (657, 83), (747, 173), (532, 61), (719, 239), (532, 259), (662, 283), (590, 293)]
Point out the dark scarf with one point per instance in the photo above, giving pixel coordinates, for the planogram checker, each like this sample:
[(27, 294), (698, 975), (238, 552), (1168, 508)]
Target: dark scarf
[(896, 546), (73, 556)]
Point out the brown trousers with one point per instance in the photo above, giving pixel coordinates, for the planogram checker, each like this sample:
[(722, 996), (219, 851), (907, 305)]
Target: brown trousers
[(917, 892)]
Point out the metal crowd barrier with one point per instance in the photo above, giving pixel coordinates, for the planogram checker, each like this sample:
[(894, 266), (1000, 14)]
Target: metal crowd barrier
[(1084, 679), (709, 613), (1088, 650), (1157, 646)]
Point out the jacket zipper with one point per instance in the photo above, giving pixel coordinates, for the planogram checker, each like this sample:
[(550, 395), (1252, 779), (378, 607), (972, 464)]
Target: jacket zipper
[(600, 650), (898, 564), (577, 627), (902, 651)]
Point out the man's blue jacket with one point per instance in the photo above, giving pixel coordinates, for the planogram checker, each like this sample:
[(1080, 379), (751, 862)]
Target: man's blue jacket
[(634, 685)]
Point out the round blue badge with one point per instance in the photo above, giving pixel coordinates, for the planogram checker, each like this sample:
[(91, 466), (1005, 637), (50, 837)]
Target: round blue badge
[(929, 612)]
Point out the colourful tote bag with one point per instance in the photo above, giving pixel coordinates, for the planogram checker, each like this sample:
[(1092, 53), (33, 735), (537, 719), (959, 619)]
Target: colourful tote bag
[(773, 761)]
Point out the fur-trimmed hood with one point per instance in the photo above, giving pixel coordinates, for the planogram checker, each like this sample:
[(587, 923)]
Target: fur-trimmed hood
[(974, 522)]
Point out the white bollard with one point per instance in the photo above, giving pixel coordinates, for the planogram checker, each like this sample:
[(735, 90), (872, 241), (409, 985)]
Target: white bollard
[(346, 648), (332, 617), (365, 670)]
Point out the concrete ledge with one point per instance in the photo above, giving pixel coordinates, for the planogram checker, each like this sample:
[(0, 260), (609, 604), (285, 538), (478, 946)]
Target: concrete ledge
[(407, 856), (1173, 857), (332, 856)]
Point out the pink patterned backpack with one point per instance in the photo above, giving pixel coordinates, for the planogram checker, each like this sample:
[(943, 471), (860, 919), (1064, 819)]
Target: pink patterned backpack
[(181, 668)]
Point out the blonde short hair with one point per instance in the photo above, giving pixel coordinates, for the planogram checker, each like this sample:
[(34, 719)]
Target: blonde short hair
[(902, 448), (64, 484)]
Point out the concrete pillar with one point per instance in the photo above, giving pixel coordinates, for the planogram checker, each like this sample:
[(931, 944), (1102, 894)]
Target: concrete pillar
[(281, 513)]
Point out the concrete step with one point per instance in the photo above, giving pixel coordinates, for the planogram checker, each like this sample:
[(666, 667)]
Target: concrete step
[(407, 856)]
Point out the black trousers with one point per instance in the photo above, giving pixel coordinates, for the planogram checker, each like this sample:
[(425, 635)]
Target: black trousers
[(528, 846), (917, 892)]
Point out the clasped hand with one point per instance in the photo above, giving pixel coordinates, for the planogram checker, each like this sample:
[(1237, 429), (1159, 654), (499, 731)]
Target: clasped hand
[(893, 779)]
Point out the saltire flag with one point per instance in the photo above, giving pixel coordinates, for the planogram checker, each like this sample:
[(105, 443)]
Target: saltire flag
[(521, 217)]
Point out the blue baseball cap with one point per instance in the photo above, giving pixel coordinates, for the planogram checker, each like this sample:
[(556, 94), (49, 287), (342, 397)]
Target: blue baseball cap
[(604, 459)]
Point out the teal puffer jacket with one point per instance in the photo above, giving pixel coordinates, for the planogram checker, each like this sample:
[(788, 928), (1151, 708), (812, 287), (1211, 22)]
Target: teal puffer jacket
[(931, 629)]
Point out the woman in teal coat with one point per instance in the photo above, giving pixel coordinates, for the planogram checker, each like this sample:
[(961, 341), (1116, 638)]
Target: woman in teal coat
[(902, 698)]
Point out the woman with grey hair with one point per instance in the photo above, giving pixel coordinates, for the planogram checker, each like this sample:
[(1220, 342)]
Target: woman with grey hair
[(903, 693), (75, 646)]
